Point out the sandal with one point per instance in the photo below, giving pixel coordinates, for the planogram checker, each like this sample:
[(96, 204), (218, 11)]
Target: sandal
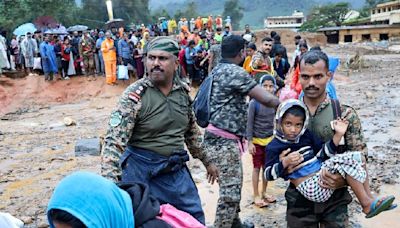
[(260, 203), (379, 205), (269, 198)]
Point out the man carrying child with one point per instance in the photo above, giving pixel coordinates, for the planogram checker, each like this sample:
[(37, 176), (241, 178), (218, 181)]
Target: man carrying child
[(314, 75)]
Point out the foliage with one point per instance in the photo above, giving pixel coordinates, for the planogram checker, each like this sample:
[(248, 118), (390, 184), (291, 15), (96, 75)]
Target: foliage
[(235, 11), (16, 12), (326, 15), (92, 13)]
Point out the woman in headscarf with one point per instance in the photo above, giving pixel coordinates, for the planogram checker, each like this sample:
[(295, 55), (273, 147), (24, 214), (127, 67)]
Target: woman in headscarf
[(85, 199)]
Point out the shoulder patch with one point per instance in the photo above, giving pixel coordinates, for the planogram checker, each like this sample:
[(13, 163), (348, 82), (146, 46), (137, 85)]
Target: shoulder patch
[(137, 92), (116, 119)]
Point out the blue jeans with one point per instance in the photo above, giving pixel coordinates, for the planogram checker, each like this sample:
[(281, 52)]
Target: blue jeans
[(175, 186)]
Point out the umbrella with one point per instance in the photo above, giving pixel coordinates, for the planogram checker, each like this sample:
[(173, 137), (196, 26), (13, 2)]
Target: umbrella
[(45, 22), (115, 23), (57, 31), (77, 28), (23, 29)]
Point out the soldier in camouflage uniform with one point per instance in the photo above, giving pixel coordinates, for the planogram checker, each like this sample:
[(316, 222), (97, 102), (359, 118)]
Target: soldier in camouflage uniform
[(224, 135), (148, 129), (314, 75), (86, 50)]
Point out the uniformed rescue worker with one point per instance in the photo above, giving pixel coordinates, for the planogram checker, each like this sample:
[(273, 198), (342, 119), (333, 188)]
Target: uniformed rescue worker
[(148, 129), (224, 135)]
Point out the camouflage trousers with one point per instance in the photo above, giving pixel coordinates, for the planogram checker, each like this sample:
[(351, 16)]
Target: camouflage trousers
[(225, 154), (304, 213), (88, 63)]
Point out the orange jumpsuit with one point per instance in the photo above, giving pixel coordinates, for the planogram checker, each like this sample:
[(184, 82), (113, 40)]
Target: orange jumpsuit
[(110, 60)]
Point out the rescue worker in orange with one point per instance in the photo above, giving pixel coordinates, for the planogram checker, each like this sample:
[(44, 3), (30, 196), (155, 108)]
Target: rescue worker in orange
[(110, 59)]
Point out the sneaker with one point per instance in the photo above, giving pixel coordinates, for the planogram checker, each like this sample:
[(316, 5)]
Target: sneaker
[(66, 78)]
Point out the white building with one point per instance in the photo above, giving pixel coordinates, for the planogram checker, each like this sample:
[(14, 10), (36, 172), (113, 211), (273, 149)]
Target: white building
[(386, 13), (285, 22)]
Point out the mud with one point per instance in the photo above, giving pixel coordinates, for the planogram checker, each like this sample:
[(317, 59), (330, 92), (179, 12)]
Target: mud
[(37, 149)]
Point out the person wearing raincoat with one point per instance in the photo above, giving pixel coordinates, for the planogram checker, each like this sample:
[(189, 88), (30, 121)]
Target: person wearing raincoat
[(29, 50), (3, 54), (49, 61)]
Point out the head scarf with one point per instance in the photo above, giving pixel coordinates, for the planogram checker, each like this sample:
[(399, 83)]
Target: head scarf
[(94, 200), (283, 107), (163, 43), (268, 77)]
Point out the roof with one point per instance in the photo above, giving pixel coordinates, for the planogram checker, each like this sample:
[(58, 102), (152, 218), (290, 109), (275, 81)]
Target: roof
[(387, 4), (357, 27), (285, 17)]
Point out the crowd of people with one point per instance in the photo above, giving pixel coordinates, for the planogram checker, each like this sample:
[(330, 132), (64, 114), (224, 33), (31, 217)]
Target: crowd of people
[(285, 111), (82, 53)]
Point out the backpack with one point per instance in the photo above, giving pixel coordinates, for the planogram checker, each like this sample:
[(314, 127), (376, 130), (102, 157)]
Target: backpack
[(201, 103)]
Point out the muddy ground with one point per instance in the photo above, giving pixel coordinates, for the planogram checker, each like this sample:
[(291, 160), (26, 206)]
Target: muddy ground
[(37, 149)]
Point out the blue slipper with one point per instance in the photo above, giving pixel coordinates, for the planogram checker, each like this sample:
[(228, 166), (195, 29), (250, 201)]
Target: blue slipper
[(385, 204), (393, 206)]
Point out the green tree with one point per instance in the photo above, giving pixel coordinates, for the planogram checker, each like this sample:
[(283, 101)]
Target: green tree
[(93, 13), (326, 15), (191, 11), (178, 15), (16, 12), (234, 10), (136, 11)]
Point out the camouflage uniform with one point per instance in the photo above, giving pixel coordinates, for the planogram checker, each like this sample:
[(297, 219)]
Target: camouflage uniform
[(228, 106), (332, 213), (86, 50), (129, 119), (122, 123)]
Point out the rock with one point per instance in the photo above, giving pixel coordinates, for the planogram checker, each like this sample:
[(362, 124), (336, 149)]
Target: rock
[(388, 180), (69, 121), (26, 219), (87, 147), (369, 95), (43, 225)]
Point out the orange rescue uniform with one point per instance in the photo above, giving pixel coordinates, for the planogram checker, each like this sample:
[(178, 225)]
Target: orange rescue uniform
[(110, 60)]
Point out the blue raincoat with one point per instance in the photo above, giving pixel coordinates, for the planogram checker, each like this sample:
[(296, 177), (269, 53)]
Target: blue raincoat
[(49, 60), (94, 200)]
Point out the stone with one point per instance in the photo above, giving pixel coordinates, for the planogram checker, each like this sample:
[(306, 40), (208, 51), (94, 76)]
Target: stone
[(69, 121), (26, 219), (85, 147)]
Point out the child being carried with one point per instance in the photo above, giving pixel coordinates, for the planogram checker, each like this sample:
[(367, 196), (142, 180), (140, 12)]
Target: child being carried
[(293, 139)]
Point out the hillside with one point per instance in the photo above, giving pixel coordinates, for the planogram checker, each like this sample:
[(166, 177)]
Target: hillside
[(254, 13)]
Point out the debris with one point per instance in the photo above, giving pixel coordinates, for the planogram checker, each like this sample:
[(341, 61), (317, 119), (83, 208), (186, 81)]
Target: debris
[(87, 147), (69, 121)]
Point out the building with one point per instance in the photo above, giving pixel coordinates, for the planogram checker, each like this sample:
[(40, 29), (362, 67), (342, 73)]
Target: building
[(360, 33), (285, 22), (386, 13), (383, 24)]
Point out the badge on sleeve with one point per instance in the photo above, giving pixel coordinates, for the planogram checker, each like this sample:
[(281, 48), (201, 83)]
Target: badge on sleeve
[(116, 119)]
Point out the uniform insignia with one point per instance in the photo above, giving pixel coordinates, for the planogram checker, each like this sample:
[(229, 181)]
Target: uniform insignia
[(137, 92), (116, 119)]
